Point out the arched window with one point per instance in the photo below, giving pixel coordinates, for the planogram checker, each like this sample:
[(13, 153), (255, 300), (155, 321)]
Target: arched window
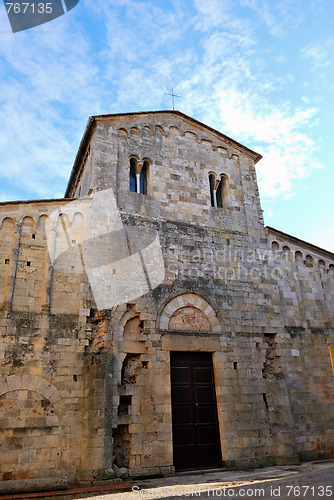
[(132, 180), (143, 178), (212, 182), (222, 192), (219, 194), (138, 175), (218, 190)]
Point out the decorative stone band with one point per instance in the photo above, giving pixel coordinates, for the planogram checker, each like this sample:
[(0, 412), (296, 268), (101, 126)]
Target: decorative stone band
[(189, 300)]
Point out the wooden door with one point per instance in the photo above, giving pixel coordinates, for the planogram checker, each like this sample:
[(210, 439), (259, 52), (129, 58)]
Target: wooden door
[(196, 442)]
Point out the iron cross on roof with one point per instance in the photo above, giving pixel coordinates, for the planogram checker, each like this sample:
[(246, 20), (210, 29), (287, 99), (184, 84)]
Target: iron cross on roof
[(172, 96)]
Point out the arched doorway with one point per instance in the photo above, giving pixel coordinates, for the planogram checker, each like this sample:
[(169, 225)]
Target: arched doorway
[(191, 325), (196, 440)]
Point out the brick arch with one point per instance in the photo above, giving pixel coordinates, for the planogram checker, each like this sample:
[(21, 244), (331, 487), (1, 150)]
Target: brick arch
[(189, 300), (34, 384)]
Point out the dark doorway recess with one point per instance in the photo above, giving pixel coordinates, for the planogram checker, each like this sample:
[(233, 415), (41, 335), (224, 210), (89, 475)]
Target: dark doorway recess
[(196, 442)]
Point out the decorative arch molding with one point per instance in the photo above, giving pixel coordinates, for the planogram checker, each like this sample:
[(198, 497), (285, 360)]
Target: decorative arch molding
[(7, 223), (35, 384), (182, 130), (28, 221), (175, 131), (191, 135), (122, 132), (148, 130), (135, 131), (189, 300), (129, 314), (206, 143), (159, 129)]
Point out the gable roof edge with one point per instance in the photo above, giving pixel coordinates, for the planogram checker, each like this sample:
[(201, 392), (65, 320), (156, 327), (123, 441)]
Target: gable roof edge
[(82, 146)]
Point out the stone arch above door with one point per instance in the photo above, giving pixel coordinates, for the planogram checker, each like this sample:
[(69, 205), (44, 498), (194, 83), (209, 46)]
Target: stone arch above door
[(189, 312)]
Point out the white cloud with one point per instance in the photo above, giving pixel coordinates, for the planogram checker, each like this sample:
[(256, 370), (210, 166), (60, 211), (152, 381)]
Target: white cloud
[(213, 13), (50, 76), (211, 56), (279, 16), (277, 133), (226, 87), (320, 55)]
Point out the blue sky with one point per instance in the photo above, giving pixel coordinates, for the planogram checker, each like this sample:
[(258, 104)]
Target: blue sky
[(260, 71)]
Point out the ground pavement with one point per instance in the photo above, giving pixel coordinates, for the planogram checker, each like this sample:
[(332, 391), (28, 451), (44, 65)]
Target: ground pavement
[(310, 481)]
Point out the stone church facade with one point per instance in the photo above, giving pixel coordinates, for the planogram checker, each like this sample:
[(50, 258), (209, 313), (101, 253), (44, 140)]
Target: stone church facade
[(217, 352)]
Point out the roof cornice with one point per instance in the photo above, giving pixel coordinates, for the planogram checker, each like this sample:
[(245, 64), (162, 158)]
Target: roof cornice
[(299, 242)]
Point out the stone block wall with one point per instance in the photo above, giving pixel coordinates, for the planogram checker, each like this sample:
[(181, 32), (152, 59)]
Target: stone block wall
[(43, 340), (85, 393), (181, 155), (271, 377)]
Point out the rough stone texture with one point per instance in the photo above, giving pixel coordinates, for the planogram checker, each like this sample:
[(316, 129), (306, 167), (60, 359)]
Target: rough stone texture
[(84, 392)]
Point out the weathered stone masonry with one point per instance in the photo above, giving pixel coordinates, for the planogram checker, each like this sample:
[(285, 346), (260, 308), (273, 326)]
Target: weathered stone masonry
[(85, 393)]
